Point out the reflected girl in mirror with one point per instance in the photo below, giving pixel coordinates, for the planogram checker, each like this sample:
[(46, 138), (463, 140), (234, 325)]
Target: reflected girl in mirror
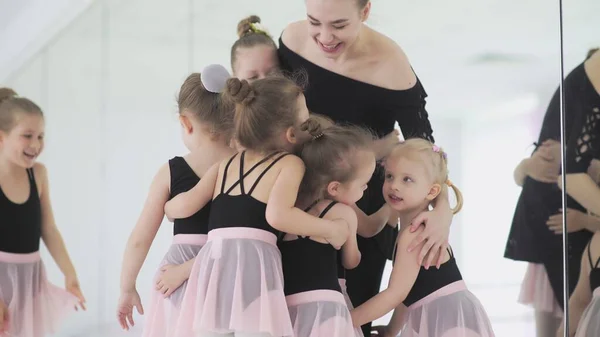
[(582, 185), (358, 75), (31, 306), (535, 232)]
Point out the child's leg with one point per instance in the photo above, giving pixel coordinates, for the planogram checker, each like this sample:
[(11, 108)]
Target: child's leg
[(546, 323)]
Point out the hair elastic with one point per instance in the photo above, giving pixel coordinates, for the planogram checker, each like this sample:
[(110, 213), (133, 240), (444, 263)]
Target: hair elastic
[(437, 149), (214, 78), (257, 28)]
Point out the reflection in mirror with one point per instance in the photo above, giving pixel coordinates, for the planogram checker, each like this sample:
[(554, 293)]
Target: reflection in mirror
[(135, 119), (539, 212), (582, 112)]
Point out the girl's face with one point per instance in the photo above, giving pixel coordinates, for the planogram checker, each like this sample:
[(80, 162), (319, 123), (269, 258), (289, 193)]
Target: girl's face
[(334, 25), (407, 185), (256, 63), (25, 142), (352, 191)]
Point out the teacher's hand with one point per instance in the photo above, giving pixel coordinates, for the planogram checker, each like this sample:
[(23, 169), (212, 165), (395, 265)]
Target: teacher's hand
[(544, 164), (435, 235)]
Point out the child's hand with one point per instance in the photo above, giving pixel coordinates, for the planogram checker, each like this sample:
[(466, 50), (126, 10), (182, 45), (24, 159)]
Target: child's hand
[(385, 145), (3, 318), (72, 286), (340, 232), (435, 235), (391, 140), (170, 279), (127, 301), (544, 164)]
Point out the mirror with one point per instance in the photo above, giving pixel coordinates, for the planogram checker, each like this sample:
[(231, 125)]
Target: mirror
[(581, 113), (108, 84)]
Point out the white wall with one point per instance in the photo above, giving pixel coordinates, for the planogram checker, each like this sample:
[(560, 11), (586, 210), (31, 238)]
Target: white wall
[(108, 83)]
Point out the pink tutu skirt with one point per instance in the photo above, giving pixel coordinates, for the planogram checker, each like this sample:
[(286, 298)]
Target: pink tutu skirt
[(357, 331), (589, 324), (452, 311), (236, 285), (35, 307), (345, 293), (320, 313), (162, 314), (537, 292)]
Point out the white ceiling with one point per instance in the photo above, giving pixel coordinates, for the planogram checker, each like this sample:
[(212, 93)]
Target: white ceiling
[(473, 56)]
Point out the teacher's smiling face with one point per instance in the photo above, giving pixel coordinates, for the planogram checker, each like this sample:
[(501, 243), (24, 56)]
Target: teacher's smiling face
[(334, 25)]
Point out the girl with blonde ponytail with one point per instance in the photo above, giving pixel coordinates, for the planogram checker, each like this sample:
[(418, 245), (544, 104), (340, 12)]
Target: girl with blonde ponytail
[(427, 302)]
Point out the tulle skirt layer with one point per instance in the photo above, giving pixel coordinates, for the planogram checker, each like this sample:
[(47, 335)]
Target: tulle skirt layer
[(236, 285), (320, 313), (589, 324), (537, 292), (163, 313), (35, 307), (452, 311)]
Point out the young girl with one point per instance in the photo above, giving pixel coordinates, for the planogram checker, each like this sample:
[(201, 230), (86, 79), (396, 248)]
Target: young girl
[(34, 306), (254, 53), (429, 302), (339, 164), (236, 284), (206, 121), (582, 181), (530, 239)]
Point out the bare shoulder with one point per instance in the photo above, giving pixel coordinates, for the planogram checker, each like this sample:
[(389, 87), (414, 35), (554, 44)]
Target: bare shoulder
[(41, 176), (342, 211), (592, 69), (291, 165), (294, 35), (163, 174), (161, 183), (39, 169), (594, 60), (292, 161), (394, 66), (224, 162)]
